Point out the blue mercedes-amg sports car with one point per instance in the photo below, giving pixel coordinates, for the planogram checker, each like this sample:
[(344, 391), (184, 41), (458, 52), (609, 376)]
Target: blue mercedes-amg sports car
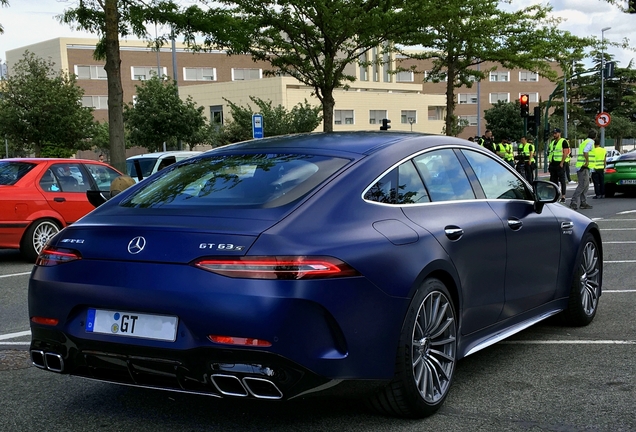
[(271, 268)]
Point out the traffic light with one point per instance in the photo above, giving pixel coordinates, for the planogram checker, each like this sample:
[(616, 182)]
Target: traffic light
[(534, 122), (524, 100), (385, 124)]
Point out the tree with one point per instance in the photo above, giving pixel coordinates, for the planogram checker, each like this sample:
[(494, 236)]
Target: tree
[(159, 115), (312, 41), (504, 121), (458, 35), (41, 109), (110, 19), (3, 3), (276, 120)]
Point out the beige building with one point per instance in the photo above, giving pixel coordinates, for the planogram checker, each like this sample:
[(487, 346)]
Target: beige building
[(211, 77)]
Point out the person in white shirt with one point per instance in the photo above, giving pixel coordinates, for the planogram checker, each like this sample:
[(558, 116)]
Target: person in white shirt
[(583, 163)]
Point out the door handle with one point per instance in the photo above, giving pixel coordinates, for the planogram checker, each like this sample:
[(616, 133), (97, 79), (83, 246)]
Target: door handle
[(515, 224), (453, 233), (59, 199)]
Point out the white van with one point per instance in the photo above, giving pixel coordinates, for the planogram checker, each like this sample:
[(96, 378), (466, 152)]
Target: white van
[(150, 163)]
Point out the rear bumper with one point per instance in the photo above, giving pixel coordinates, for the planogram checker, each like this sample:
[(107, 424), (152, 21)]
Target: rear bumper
[(208, 371)]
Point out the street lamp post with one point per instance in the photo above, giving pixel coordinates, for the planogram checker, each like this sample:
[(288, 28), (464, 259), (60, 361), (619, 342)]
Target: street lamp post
[(603, 30)]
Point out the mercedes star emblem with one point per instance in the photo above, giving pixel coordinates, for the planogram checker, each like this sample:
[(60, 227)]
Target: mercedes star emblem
[(136, 245)]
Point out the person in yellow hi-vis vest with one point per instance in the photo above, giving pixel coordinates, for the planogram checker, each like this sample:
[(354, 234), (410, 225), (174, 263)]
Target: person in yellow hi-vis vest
[(584, 161), (558, 151), (598, 170)]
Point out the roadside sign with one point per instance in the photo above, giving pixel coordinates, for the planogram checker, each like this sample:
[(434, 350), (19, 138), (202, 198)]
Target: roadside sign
[(603, 119), (257, 126)]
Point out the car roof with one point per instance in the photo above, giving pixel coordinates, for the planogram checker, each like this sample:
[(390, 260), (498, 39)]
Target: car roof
[(166, 153), (364, 142), (60, 160)]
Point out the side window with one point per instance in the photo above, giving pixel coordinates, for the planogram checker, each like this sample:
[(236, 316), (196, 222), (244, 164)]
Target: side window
[(166, 162), (70, 177), (495, 179), (402, 185), (48, 182), (443, 175), (103, 176)]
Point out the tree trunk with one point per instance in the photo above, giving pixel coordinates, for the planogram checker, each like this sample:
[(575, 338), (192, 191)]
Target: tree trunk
[(450, 100), (115, 90), (328, 103)]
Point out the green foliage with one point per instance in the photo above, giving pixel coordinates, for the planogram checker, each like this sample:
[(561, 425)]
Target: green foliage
[(159, 115), (459, 35), (458, 126), (312, 41), (41, 111), (504, 121), (276, 120)]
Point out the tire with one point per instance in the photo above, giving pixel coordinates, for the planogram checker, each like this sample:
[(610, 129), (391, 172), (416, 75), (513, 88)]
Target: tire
[(586, 285), (610, 190), (36, 237), (426, 356)]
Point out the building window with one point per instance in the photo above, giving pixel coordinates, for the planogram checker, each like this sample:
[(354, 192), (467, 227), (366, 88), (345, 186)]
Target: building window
[(497, 76), (216, 114), (404, 76), (376, 116), (497, 97), (471, 119), (246, 74), (408, 117), (364, 67), (199, 74), (386, 63), (343, 117), (146, 72), (467, 98), (96, 102), (526, 76), (90, 72), (532, 97)]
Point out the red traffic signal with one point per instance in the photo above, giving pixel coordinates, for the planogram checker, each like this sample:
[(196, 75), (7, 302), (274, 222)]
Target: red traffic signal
[(524, 101)]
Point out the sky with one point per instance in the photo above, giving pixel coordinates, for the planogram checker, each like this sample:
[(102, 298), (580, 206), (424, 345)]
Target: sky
[(27, 22)]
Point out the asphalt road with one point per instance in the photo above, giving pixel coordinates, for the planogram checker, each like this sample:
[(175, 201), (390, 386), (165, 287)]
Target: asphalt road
[(547, 378)]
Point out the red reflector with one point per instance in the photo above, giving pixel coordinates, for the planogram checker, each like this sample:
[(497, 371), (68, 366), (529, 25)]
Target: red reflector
[(231, 340), (45, 321), (610, 170), (277, 267), (51, 256)]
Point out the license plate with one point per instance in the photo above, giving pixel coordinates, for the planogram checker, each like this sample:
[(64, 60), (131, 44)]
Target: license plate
[(132, 324), (627, 182)]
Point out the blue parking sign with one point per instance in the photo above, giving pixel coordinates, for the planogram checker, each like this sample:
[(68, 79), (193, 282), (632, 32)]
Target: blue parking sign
[(257, 126)]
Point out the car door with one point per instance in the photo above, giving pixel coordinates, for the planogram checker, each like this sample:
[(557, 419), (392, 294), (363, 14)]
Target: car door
[(533, 240), (469, 231), (64, 187)]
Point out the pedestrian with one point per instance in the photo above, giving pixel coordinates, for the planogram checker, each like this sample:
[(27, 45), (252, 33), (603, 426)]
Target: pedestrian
[(567, 169), (583, 163), (101, 157), (471, 139), (510, 153), (487, 141), (598, 170), (558, 151), (525, 153)]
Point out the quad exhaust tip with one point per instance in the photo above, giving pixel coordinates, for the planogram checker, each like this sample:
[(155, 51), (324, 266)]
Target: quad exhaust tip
[(230, 385), (47, 360)]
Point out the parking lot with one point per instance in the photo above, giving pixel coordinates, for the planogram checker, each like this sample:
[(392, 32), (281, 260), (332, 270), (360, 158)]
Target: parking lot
[(547, 378)]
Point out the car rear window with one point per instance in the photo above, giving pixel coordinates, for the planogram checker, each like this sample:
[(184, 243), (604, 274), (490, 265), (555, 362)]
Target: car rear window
[(146, 165), (246, 180), (11, 172)]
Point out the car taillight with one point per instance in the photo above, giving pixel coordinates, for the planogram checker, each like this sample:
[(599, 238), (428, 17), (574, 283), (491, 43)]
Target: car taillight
[(610, 170), (233, 340), (277, 267), (51, 256)]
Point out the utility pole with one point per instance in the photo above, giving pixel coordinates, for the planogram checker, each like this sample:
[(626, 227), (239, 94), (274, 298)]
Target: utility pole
[(603, 30)]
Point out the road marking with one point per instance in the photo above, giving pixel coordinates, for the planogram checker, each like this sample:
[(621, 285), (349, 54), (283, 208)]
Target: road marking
[(618, 229), (15, 343), (15, 274), (619, 291), (619, 242), (627, 212), (570, 342), (613, 220), (15, 335), (619, 262)]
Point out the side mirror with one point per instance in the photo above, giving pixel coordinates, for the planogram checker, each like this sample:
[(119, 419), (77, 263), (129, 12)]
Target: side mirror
[(545, 192)]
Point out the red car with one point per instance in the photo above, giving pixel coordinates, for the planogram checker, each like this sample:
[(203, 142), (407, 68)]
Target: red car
[(39, 197)]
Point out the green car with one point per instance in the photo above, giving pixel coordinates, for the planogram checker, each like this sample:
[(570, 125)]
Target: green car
[(620, 175)]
